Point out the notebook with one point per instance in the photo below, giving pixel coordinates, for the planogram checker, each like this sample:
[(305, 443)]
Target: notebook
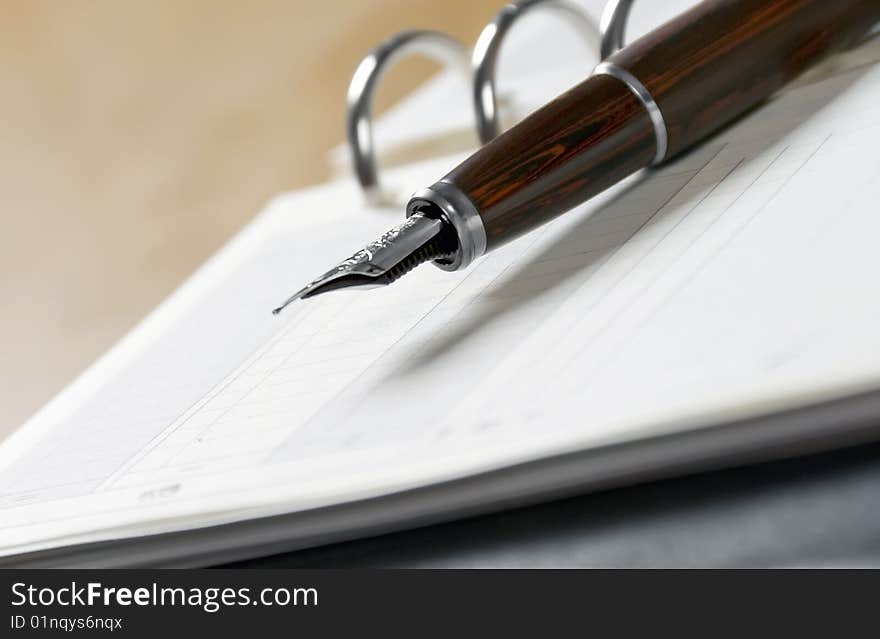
[(719, 310)]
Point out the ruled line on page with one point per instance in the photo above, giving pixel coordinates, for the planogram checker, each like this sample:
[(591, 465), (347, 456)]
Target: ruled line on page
[(583, 329)]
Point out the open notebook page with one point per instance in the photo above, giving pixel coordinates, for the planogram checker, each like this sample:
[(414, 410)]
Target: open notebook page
[(739, 279)]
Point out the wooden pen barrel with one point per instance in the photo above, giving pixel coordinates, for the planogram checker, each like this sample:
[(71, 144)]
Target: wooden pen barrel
[(703, 69), (712, 63)]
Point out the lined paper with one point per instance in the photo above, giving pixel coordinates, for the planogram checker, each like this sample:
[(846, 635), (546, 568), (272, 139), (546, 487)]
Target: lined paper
[(738, 278)]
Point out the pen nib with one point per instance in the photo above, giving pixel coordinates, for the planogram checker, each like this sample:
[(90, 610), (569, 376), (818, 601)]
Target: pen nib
[(290, 300), (417, 240)]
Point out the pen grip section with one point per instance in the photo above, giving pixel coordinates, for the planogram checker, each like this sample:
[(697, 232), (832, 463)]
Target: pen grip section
[(716, 61), (578, 145)]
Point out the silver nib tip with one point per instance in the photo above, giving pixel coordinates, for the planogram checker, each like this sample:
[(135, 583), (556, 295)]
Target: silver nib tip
[(419, 239), (288, 302), (301, 293)]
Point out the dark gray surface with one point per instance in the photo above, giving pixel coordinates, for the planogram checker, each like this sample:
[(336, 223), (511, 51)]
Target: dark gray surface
[(693, 524), (822, 510)]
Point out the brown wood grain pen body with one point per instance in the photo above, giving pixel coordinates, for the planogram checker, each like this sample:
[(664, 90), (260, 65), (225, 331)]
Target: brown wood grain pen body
[(702, 69), (651, 100)]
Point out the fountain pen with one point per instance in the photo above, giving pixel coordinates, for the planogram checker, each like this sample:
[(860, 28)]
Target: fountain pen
[(649, 102)]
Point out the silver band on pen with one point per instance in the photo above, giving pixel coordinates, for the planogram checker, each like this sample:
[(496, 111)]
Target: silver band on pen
[(645, 97)]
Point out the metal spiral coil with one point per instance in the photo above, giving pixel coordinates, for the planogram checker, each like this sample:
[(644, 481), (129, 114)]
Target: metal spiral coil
[(479, 66)]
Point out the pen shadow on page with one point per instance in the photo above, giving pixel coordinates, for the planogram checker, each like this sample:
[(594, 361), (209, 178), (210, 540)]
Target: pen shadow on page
[(505, 296)]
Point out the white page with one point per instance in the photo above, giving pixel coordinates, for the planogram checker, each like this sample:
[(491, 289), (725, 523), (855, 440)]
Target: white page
[(736, 280)]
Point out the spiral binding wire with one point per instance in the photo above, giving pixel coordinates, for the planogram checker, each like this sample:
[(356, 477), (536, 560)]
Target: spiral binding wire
[(479, 66)]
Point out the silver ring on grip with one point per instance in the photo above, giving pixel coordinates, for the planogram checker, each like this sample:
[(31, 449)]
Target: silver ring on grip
[(609, 36), (365, 82)]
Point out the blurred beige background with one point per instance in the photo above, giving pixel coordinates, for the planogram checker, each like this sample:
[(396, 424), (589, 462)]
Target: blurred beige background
[(136, 136)]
